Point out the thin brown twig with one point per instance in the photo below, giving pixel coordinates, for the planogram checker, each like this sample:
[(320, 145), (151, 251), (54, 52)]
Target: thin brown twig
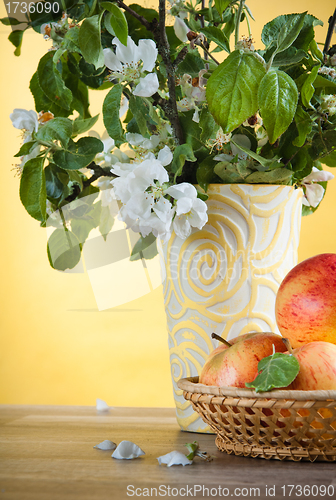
[(332, 23), (140, 18)]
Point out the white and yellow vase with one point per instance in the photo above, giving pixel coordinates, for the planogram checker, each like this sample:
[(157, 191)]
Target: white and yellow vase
[(224, 278)]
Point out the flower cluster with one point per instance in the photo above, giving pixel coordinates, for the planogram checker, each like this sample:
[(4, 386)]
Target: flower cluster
[(150, 204), (128, 64)]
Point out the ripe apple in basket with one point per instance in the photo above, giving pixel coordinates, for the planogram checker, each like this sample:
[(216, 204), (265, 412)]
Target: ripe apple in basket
[(235, 364), (305, 307), (317, 366)]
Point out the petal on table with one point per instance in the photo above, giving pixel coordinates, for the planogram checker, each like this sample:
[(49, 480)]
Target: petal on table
[(174, 458), (126, 450)]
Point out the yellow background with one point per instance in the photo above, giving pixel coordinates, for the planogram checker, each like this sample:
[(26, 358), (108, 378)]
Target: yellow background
[(55, 346)]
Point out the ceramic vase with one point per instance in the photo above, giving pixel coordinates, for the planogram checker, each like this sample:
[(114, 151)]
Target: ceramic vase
[(224, 277)]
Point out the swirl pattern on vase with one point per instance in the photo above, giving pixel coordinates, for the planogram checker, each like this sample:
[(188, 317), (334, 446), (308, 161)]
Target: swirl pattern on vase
[(224, 277)]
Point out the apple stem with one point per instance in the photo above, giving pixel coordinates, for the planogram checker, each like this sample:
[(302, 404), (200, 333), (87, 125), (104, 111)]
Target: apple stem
[(217, 337), (287, 344)]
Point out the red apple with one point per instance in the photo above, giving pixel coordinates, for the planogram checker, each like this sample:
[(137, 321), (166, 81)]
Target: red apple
[(235, 365), (317, 367), (305, 307), (223, 346)]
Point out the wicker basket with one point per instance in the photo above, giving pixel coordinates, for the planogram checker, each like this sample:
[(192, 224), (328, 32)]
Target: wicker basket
[(286, 425)]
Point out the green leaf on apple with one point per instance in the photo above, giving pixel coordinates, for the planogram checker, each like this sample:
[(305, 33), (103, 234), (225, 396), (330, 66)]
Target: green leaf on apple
[(275, 371)]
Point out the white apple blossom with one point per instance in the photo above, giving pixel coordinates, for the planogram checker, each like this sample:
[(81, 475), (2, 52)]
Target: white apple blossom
[(325, 70), (313, 191), (328, 104), (140, 186), (181, 29), (129, 64), (190, 211), (245, 44), (25, 120), (142, 142)]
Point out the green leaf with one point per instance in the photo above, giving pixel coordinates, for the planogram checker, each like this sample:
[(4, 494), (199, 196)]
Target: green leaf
[(26, 148), (81, 125), (222, 5), (57, 129), (308, 89), (78, 154), (192, 448), (79, 90), (277, 96), (205, 172), (16, 38), (139, 110), (323, 145), (304, 126), (108, 23), (208, 125), (265, 162), (63, 250), (10, 21), (106, 222), (118, 21), (307, 33), (302, 163), (290, 31), (330, 159), (111, 108), (52, 84), (321, 82), (276, 371), (142, 244), (191, 131), (217, 36), (279, 175), (192, 64), (232, 172), (54, 186), (42, 101), (89, 41), (181, 153), (232, 89), (289, 57), (33, 189), (82, 227), (71, 40), (316, 52)]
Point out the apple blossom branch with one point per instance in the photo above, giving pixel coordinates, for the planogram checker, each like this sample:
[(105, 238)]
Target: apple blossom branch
[(159, 33), (98, 172)]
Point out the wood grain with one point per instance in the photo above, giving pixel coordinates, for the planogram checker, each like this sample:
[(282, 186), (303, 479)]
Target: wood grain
[(46, 453)]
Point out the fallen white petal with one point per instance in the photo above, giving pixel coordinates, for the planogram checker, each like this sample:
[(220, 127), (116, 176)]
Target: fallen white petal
[(174, 458), (106, 445), (126, 450), (102, 405)]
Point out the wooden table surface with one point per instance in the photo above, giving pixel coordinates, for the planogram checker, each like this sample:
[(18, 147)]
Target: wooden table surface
[(46, 453)]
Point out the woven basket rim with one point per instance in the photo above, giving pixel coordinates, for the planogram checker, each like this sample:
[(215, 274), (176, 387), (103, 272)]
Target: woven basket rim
[(191, 384)]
